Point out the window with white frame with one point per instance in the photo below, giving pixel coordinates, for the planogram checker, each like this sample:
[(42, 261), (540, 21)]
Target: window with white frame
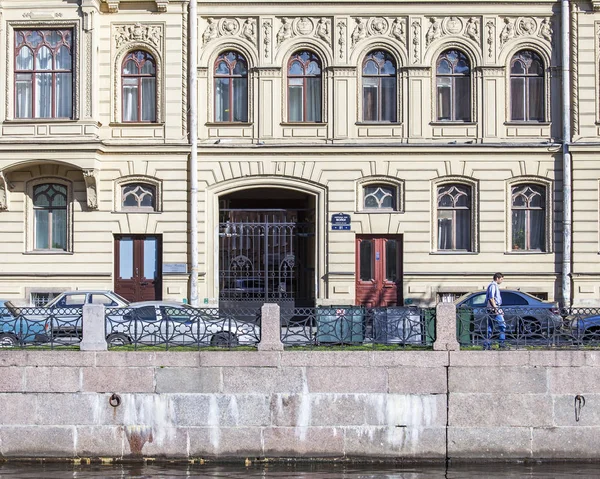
[(527, 87), (379, 87), (304, 88), (231, 88), (528, 212), (44, 73), (453, 80), (380, 197), (138, 197), (50, 216), (138, 80), (454, 217)]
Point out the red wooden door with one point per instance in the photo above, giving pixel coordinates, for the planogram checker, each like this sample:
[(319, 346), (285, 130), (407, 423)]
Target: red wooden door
[(138, 267), (379, 270)]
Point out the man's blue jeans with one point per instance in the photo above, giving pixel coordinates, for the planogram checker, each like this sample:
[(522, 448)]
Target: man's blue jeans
[(498, 320)]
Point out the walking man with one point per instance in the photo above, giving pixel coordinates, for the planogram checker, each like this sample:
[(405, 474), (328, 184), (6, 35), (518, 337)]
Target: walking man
[(493, 301)]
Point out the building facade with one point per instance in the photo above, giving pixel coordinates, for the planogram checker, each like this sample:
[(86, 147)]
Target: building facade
[(400, 154)]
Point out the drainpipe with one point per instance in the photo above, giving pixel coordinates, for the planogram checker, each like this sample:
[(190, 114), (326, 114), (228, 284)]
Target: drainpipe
[(193, 135), (566, 140)]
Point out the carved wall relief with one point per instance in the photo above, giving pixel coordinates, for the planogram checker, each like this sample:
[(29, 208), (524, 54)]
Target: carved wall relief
[(524, 27), (416, 40), (341, 36), (90, 177), (138, 32), (379, 26), (4, 187), (304, 26), (230, 27), (467, 27), (267, 37)]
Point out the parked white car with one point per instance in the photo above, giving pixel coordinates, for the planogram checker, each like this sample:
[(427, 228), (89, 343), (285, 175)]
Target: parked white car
[(176, 324)]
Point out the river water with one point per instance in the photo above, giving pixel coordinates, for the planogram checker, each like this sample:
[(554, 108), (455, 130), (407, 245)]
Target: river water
[(300, 471)]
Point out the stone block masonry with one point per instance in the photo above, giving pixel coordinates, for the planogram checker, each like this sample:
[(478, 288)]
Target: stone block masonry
[(417, 405)]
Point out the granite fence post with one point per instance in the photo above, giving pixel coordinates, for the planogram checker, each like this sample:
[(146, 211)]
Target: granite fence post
[(445, 328), (94, 328), (270, 328)]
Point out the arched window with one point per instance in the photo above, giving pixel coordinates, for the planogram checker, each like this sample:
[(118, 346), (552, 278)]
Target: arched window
[(231, 88), (50, 216), (454, 217), (379, 87), (379, 197), (304, 88), (43, 74), (138, 196), (453, 74), (527, 87), (528, 211), (138, 78)]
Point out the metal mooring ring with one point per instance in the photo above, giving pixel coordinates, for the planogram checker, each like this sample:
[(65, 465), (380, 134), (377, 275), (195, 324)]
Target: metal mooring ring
[(115, 400)]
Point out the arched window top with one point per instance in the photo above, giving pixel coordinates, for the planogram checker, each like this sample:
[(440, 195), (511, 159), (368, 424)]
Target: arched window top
[(454, 196), (231, 64), (50, 195), (526, 63), (453, 62), (304, 63), (138, 196), (528, 196), (379, 63), (138, 63)]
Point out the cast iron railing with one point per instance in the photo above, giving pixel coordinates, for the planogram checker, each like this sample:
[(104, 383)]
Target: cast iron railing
[(529, 328), (34, 326), (168, 327), (355, 325)]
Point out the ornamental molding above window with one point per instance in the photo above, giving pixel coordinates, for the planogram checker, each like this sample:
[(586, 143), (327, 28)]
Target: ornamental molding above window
[(113, 5), (138, 32), (244, 27)]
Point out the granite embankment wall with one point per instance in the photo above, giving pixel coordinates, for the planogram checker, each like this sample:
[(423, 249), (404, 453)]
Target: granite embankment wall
[(379, 404)]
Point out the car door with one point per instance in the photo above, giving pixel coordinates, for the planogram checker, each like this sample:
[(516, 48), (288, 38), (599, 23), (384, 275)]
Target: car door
[(514, 307), (66, 315), (179, 325)]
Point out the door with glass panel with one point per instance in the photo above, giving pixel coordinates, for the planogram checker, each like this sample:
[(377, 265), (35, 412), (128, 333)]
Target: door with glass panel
[(138, 267), (379, 270)]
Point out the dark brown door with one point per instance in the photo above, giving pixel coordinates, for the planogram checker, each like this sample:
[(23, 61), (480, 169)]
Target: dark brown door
[(138, 267), (379, 270)]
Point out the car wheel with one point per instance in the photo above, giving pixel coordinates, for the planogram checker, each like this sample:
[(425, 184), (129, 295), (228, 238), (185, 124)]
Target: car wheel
[(591, 335), (224, 339), (118, 339), (8, 341)]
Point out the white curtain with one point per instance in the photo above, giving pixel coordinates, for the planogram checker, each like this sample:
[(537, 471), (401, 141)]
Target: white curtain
[(148, 99), (130, 99), (313, 99), (240, 99), (64, 95)]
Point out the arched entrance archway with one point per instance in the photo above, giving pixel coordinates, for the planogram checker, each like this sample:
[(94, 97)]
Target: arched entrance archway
[(267, 248)]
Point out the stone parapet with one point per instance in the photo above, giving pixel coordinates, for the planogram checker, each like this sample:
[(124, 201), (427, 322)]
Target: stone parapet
[(425, 405)]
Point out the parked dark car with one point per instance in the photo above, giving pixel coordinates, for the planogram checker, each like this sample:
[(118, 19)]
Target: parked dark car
[(523, 312), (587, 329)]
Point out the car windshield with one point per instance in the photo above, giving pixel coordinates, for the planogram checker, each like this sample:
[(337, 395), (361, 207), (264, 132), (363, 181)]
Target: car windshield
[(462, 298), (118, 296)]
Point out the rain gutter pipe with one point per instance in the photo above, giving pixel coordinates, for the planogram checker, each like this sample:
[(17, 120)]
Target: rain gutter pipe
[(566, 140), (193, 137)]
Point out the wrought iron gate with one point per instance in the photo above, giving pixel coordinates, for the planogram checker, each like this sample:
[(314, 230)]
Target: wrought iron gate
[(266, 256)]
